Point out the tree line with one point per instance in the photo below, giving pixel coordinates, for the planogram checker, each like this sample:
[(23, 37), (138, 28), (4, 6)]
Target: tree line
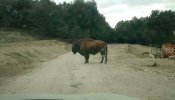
[(81, 19), (156, 29)]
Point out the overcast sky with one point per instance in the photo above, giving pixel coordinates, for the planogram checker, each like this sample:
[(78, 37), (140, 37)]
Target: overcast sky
[(117, 10)]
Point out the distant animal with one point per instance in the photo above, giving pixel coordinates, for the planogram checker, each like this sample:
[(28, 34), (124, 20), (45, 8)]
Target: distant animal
[(89, 46), (168, 50)]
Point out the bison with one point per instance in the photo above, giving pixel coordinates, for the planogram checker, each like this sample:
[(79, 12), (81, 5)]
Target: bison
[(88, 46)]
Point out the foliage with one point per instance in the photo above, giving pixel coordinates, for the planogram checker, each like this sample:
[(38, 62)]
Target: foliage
[(155, 29), (80, 19)]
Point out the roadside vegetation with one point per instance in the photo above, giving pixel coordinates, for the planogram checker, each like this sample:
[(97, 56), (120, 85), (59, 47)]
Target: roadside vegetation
[(20, 52), (80, 19)]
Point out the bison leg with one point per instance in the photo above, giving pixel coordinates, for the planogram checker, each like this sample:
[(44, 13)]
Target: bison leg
[(102, 57), (102, 52), (86, 58), (106, 58), (106, 54)]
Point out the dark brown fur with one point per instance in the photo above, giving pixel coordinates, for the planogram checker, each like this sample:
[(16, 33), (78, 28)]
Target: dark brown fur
[(89, 46)]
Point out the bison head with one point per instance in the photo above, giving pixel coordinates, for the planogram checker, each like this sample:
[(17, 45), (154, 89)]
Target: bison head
[(75, 47)]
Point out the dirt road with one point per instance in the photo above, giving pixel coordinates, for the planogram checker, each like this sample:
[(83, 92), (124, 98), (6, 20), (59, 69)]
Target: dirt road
[(67, 74)]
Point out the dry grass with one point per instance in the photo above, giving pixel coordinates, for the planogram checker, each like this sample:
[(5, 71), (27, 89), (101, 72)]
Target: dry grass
[(119, 54), (16, 57), (20, 52), (14, 36)]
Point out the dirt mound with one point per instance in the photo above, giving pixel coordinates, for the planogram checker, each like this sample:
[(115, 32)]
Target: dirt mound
[(17, 57), (14, 36), (20, 52)]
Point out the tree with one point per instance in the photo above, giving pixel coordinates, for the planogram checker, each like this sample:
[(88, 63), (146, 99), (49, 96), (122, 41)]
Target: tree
[(155, 29)]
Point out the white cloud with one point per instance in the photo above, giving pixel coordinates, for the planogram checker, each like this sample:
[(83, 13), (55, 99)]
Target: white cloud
[(114, 8), (115, 14), (170, 6)]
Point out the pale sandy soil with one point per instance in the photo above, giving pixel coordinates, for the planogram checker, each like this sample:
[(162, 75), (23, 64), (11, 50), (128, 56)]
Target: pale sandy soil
[(126, 73)]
